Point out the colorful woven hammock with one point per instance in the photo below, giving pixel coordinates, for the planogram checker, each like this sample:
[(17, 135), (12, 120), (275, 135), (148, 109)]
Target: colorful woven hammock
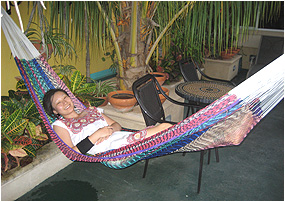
[(225, 122)]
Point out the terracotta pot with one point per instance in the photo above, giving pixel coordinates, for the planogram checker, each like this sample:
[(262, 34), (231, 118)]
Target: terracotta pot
[(162, 98), (39, 47), (122, 100), (160, 77), (105, 102)]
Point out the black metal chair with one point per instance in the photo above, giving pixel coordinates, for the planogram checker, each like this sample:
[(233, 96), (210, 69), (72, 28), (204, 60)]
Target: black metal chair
[(189, 69), (146, 90)]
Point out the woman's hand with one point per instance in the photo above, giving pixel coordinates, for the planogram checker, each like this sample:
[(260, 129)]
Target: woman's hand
[(104, 133), (101, 134), (116, 126)]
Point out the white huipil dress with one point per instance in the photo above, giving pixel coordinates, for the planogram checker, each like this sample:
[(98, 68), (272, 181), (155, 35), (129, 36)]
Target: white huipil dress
[(85, 126)]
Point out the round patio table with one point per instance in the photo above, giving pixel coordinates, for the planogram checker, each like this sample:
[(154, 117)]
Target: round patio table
[(202, 91)]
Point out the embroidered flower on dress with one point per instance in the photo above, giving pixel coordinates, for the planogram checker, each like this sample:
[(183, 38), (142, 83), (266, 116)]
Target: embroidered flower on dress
[(76, 125), (134, 137)]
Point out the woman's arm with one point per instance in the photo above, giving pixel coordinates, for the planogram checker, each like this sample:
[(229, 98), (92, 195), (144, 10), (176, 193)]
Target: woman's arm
[(64, 135), (107, 131), (115, 125), (97, 137)]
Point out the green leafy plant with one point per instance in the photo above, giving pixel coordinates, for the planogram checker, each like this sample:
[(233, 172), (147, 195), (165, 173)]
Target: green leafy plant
[(82, 90), (139, 29), (103, 88), (65, 70), (21, 129), (115, 65), (170, 66), (169, 62), (51, 40)]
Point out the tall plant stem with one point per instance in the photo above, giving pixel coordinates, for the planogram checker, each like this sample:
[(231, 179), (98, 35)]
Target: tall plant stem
[(31, 18), (117, 48), (134, 34), (155, 44), (87, 45)]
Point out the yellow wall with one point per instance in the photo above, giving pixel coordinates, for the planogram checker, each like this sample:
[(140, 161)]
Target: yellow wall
[(9, 69)]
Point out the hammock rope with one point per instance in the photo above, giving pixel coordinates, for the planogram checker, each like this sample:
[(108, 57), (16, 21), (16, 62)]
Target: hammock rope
[(225, 122)]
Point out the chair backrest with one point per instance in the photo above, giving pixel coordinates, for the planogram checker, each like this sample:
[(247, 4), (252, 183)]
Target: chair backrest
[(146, 93), (188, 70)]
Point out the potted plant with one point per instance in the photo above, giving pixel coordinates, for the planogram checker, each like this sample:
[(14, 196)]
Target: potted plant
[(122, 100), (64, 70), (225, 66), (82, 90), (168, 68), (229, 53), (162, 98), (161, 77), (102, 89), (50, 40)]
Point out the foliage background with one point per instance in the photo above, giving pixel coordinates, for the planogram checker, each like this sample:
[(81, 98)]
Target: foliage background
[(9, 69)]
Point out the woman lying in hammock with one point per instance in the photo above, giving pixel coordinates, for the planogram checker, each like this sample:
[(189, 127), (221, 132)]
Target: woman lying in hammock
[(90, 131)]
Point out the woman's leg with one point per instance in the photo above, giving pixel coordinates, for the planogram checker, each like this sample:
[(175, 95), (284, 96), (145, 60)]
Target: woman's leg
[(156, 129)]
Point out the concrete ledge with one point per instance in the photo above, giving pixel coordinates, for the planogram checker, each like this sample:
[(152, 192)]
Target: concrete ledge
[(18, 181)]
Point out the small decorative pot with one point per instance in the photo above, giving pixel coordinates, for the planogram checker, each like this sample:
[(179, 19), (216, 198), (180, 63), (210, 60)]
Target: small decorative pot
[(160, 77), (162, 98), (39, 47), (122, 100)]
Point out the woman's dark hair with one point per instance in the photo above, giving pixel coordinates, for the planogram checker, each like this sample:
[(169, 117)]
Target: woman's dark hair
[(47, 102)]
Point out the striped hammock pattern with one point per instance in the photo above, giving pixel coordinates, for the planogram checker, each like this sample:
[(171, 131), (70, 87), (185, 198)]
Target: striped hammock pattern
[(225, 122)]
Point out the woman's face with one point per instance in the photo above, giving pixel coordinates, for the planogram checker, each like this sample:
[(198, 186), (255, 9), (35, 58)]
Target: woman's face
[(62, 104)]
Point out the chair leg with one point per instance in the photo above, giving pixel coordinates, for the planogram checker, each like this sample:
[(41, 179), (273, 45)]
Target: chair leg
[(188, 110), (200, 170), (201, 164), (145, 167), (209, 156), (217, 155)]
